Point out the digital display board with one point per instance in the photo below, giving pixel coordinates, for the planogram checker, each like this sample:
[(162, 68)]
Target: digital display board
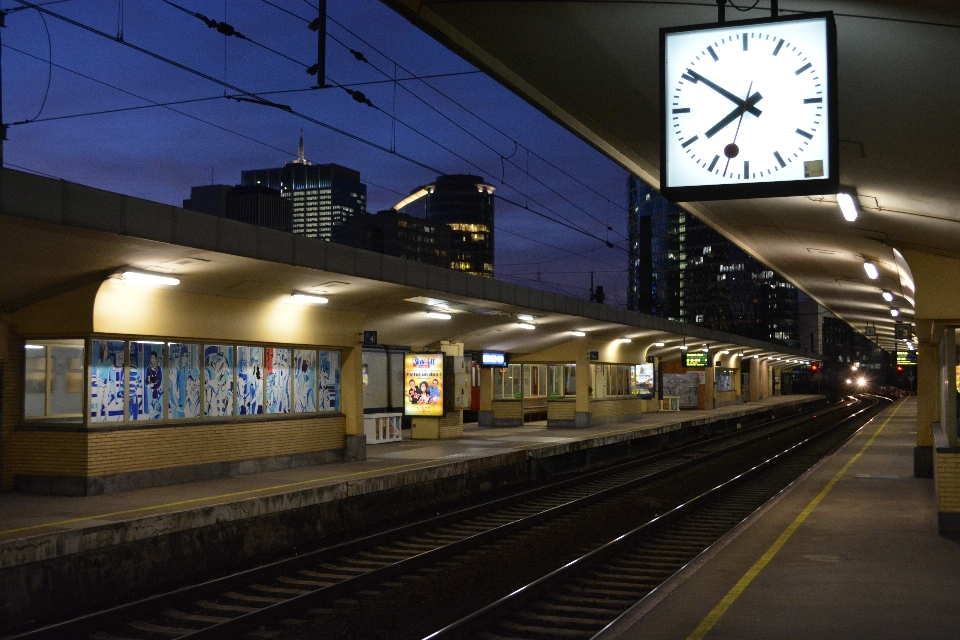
[(493, 359), (643, 380), (907, 358), (423, 391), (697, 359)]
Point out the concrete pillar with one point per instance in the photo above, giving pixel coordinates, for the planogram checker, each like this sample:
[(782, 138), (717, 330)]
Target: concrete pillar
[(581, 416), (351, 402), (928, 408), (485, 415), (755, 381), (709, 387), (766, 389)]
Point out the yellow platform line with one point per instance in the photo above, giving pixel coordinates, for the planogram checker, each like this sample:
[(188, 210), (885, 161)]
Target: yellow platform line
[(714, 616), (290, 485)]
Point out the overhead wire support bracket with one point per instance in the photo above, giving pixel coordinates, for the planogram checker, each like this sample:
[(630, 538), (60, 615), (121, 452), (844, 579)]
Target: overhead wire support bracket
[(320, 26)]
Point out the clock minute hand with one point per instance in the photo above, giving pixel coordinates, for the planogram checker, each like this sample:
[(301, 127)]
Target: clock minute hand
[(736, 113), (726, 94)]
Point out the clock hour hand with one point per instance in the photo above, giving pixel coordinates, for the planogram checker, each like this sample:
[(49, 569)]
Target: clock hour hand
[(726, 94), (736, 113)]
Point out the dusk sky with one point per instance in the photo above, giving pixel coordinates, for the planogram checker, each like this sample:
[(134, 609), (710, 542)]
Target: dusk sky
[(158, 153)]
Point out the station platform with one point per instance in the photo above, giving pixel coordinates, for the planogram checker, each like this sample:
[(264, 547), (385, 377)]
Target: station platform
[(851, 550), (52, 547)]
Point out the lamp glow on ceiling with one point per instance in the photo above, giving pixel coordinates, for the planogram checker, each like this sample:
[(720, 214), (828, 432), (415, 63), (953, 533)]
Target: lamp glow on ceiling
[(526, 325), (149, 279), (579, 334), (306, 298), (438, 315), (849, 206), (871, 270)]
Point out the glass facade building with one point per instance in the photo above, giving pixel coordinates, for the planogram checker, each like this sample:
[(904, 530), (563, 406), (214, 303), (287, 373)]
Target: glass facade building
[(683, 270)]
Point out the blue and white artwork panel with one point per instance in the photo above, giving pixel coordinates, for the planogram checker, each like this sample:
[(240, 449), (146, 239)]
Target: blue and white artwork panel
[(328, 376), (304, 381), (249, 381), (218, 380), (183, 380), (107, 358), (276, 364), (145, 381)]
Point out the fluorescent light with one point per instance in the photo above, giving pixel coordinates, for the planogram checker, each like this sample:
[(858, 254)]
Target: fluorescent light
[(871, 270), (525, 325), (659, 344), (894, 312), (526, 317), (683, 347), (438, 315), (848, 206), (149, 279), (147, 342), (724, 352), (306, 298), (625, 340), (887, 296), (579, 334), (32, 346)]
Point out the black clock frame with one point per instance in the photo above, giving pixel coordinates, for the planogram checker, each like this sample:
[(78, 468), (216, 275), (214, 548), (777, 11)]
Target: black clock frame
[(737, 191)]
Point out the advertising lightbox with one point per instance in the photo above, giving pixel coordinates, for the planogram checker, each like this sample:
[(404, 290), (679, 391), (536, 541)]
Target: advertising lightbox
[(643, 380), (697, 359), (423, 392)]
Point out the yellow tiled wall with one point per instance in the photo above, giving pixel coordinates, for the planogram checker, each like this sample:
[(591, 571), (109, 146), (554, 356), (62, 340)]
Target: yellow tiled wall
[(508, 409), (601, 409), (451, 425), (947, 478), (561, 410)]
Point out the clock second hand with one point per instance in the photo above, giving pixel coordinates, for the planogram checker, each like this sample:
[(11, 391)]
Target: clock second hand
[(732, 150)]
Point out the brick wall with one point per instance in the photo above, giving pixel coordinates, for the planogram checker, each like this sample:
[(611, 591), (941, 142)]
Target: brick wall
[(602, 409), (508, 409), (947, 478), (561, 410), (451, 425), (12, 404), (94, 454)]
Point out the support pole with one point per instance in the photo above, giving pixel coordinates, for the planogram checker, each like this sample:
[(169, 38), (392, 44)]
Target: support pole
[(774, 8), (322, 45), (721, 11)]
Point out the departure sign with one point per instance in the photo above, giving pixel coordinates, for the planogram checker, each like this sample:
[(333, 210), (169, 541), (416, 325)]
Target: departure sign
[(698, 359), (493, 359), (423, 373), (906, 358)]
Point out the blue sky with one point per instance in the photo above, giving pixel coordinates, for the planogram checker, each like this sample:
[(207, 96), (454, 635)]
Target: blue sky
[(158, 154)]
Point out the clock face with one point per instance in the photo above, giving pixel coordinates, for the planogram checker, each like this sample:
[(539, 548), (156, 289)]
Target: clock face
[(749, 103)]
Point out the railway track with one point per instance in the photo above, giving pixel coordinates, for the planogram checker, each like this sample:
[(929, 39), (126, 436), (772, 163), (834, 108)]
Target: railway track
[(285, 592), (585, 597)]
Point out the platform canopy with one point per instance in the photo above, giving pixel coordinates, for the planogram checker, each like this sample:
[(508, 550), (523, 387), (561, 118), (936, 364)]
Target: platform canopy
[(594, 67)]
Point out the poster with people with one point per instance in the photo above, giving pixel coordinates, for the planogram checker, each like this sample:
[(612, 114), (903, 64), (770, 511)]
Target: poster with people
[(423, 384)]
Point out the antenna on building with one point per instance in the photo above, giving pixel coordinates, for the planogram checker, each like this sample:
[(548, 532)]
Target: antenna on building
[(300, 157), (211, 176)]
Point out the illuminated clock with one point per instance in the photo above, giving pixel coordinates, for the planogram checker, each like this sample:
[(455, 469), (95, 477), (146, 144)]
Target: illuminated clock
[(749, 109)]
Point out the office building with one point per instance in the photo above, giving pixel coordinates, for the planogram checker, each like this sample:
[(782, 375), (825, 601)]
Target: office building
[(397, 234), (323, 197), (465, 204), (681, 269), (255, 204)]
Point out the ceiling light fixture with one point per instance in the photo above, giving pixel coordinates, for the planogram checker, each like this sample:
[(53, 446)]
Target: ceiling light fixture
[(724, 352), (887, 296), (579, 334), (525, 325), (438, 315), (894, 312), (32, 346), (625, 340), (849, 205), (306, 298), (659, 344), (149, 279), (871, 270), (526, 317)]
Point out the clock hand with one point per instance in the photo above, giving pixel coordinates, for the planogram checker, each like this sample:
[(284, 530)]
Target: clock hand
[(726, 94), (732, 150), (736, 113)]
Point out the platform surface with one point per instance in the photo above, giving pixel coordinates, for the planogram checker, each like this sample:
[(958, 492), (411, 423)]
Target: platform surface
[(864, 559), (39, 527)]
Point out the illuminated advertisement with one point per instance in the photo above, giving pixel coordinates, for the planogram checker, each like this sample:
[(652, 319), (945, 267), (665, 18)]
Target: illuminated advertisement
[(697, 359), (643, 384), (423, 387)]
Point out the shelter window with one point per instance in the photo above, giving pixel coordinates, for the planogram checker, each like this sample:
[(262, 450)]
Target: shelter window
[(507, 383), (53, 379), (614, 381), (562, 379), (534, 381)]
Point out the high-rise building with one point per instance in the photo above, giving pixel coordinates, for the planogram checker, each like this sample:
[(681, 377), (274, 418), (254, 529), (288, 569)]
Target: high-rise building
[(323, 197), (683, 270), (254, 204), (398, 234), (465, 204)]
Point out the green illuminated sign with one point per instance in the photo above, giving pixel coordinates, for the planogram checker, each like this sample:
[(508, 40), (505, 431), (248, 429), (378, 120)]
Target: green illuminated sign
[(698, 359), (907, 358)]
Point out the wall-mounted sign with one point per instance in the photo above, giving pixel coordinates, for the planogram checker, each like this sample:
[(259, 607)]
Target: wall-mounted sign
[(902, 331), (697, 359), (749, 109), (423, 388), (370, 338), (907, 358), (870, 330), (594, 355), (493, 359)]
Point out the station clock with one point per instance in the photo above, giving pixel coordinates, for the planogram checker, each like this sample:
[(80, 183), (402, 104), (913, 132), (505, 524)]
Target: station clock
[(749, 109)]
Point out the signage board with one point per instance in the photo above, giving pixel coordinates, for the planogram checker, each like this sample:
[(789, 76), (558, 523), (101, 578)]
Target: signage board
[(907, 358), (902, 331), (749, 109), (423, 384), (370, 338), (643, 380), (594, 355), (493, 359), (870, 330), (697, 359)]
